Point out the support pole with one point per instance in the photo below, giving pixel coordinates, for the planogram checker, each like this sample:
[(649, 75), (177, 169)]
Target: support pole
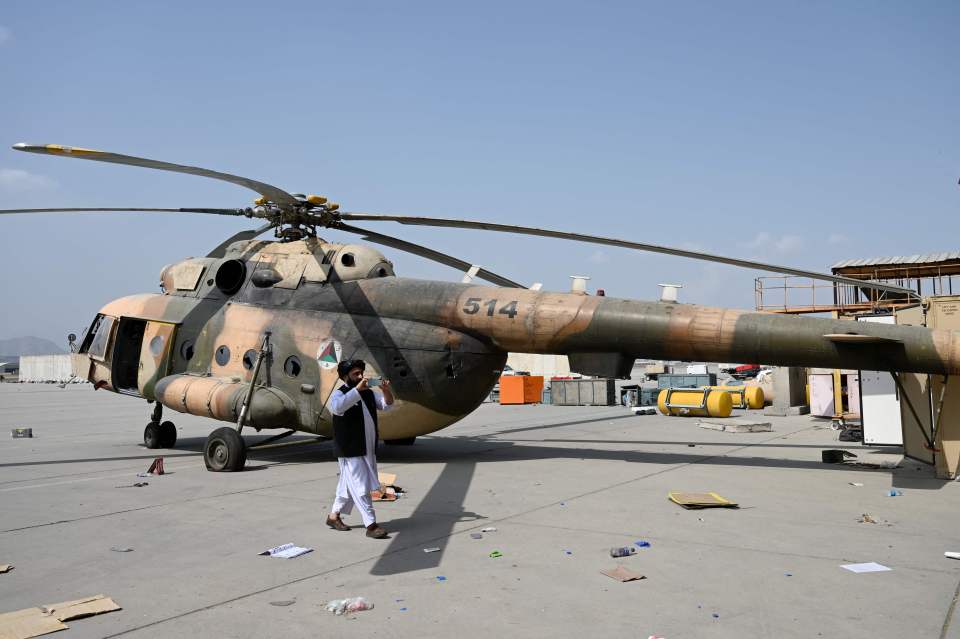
[(244, 409)]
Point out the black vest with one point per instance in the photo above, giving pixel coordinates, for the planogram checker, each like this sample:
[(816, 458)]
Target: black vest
[(349, 437)]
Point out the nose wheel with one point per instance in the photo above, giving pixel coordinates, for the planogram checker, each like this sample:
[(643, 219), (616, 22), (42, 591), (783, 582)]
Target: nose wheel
[(225, 451), (162, 435)]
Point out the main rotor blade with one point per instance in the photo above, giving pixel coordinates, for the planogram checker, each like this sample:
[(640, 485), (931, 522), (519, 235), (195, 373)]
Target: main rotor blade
[(249, 234), (131, 209), (272, 193), (428, 253), (609, 241)]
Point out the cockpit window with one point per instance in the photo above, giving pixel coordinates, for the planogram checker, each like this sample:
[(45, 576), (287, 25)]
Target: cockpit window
[(100, 330)]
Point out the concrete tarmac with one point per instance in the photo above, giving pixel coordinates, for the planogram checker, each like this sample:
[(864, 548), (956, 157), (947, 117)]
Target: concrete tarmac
[(561, 485)]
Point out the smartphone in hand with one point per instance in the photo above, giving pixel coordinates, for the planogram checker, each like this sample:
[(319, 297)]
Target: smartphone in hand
[(374, 381)]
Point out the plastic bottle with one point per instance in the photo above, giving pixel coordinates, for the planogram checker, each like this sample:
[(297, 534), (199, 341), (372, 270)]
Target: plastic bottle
[(623, 551)]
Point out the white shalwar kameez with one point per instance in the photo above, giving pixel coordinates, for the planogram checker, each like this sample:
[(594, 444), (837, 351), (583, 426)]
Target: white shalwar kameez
[(358, 475)]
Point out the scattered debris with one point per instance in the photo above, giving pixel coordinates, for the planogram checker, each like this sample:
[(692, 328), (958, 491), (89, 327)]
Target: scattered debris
[(389, 491), (434, 549), (856, 483), (788, 574), (476, 535), (691, 445), (286, 551), (22, 433), (622, 551), (642, 544), (736, 425), (568, 552), (893, 492), (716, 616), (622, 574), (495, 554), (5, 568), (867, 519), (121, 549), (441, 578), (835, 456), (871, 566), (490, 529), (948, 555), (285, 602), (351, 604), (139, 484), (692, 501), (644, 410)]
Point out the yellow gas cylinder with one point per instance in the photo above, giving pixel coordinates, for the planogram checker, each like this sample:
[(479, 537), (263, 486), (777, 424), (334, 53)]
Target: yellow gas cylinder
[(695, 402), (743, 396)]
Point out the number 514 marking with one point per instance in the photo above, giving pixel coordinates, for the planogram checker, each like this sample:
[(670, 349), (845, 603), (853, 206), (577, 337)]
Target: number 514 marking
[(473, 306)]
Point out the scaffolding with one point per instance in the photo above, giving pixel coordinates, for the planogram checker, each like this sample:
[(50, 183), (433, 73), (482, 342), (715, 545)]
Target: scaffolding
[(931, 275)]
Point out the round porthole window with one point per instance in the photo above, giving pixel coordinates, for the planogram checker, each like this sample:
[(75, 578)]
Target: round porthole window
[(222, 356), (292, 366), (347, 259), (186, 349), (249, 358), (156, 346)]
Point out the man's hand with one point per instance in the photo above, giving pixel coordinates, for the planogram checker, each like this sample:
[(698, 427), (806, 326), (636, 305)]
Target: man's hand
[(387, 392), (363, 385)]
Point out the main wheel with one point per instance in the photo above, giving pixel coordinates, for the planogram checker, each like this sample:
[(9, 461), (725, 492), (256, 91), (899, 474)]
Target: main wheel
[(225, 451), (168, 435), (406, 441), (152, 435)]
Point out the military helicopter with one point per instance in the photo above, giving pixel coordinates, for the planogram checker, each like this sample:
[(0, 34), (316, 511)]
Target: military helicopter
[(252, 332)]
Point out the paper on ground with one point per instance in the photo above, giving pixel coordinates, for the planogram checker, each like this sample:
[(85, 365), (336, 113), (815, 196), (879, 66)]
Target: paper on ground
[(286, 551), (871, 566), (5, 568)]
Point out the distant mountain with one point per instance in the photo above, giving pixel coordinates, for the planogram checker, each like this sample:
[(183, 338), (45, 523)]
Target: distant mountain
[(30, 346)]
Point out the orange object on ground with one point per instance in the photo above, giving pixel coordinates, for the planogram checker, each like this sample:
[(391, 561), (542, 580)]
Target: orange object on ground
[(521, 389)]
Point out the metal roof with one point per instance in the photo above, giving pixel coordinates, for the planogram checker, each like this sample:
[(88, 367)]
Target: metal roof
[(929, 258)]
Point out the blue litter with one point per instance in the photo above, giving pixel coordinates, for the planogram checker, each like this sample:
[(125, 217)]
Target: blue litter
[(895, 493), (403, 610), (788, 574), (441, 578), (642, 544), (569, 552)]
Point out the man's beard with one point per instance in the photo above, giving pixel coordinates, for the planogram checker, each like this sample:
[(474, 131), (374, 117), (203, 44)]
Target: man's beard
[(351, 383)]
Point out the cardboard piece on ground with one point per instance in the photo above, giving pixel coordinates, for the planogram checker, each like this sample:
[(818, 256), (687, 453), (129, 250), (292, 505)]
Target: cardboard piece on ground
[(388, 491), (5, 568), (79, 608), (693, 501), (386, 479), (30, 622), (621, 573), (737, 425)]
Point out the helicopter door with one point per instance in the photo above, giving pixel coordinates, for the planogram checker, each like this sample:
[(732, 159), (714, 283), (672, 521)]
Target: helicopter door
[(126, 355), (154, 355)]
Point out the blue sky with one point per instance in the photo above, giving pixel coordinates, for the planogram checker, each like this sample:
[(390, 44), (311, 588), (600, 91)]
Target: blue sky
[(798, 133)]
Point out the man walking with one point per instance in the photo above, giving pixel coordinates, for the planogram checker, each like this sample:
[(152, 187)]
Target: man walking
[(355, 434)]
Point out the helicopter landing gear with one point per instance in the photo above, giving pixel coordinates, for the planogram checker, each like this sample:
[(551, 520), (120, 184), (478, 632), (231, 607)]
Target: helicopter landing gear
[(225, 451), (159, 434)]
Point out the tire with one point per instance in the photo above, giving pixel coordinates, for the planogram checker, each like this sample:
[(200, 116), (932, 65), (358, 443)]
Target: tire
[(406, 441), (152, 435), (225, 451), (168, 435)]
